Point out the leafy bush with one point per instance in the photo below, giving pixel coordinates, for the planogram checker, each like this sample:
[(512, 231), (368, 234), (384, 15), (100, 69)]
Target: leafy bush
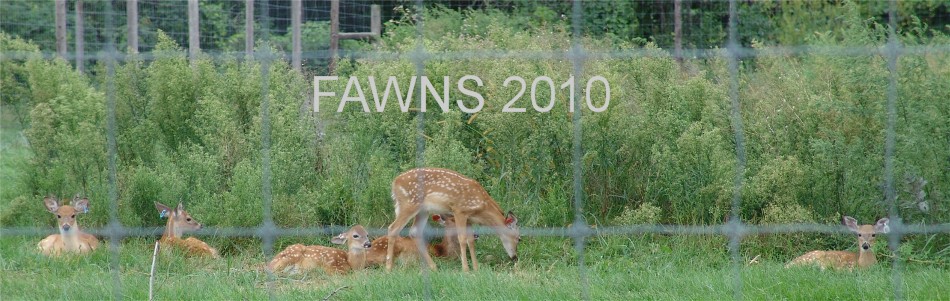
[(646, 214), (14, 86)]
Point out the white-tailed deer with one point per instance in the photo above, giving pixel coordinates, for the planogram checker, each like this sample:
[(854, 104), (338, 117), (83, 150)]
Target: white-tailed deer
[(70, 238), (404, 248), (449, 245), (441, 191), (300, 258), (844, 259), (180, 221)]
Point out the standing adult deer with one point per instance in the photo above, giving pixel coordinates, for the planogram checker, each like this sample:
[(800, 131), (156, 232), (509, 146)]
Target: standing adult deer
[(449, 245), (180, 221), (441, 191), (844, 259), (70, 238), (300, 258)]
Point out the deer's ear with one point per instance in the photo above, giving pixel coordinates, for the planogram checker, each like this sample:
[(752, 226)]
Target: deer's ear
[(510, 219), (82, 205), (163, 211), (339, 239), (850, 222), (180, 208), (882, 225), (52, 204)]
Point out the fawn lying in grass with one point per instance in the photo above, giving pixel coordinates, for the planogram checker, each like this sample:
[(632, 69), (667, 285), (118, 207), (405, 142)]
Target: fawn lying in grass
[(70, 238), (449, 247), (844, 259), (404, 248), (299, 258), (180, 221)]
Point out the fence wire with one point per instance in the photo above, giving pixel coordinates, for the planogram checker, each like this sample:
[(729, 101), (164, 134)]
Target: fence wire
[(577, 152), (114, 222), (735, 220), (223, 34), (418, 61), (890, 197)]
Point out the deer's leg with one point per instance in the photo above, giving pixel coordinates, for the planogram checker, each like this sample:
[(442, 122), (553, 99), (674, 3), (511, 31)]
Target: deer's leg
[(46, 245), (402, 218), (462, 232), (418, 227), (280, 263), (471, 250)]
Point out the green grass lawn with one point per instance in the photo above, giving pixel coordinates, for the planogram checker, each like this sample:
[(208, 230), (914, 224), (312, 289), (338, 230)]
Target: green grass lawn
[(548, 270)]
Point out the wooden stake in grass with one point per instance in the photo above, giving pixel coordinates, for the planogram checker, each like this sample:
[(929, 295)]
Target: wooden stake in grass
[(151, 275)]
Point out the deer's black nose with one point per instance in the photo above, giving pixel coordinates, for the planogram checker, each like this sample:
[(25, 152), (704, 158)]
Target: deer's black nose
[(368, 245), (865, 246), (66, 227)]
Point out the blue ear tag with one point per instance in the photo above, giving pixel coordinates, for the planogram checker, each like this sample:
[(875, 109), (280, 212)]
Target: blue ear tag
[(163, 214)]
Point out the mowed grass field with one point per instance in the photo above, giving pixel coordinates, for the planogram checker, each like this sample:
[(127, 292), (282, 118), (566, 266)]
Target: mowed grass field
[(548, 271)]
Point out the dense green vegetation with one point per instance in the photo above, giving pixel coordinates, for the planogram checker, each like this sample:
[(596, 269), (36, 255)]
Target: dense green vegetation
[(814, 126), (663, 153)]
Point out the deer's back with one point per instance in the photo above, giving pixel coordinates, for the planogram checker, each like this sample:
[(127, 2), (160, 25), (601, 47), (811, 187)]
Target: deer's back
[(404, 247), (441, 190), (191, 246), (300, 258), (827, 259)]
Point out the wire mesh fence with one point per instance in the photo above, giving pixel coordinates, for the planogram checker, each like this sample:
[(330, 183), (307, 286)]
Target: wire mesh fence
[(715, 30)]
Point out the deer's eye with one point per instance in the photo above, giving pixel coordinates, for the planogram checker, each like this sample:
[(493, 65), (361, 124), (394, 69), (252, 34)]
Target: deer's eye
[(74, 216), (356, 236), (59, 216), (188, 219), (874, 235)]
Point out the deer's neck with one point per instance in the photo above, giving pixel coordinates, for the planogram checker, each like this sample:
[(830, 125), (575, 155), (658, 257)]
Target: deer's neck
[(866, 258), (70, 238), (171, 231), (356, 258), (491, 216)]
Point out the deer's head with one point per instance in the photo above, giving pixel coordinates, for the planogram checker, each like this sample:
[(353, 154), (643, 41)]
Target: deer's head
[(866, 233), (510, 235), (179, 220), (66, 214), (356, 239)]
